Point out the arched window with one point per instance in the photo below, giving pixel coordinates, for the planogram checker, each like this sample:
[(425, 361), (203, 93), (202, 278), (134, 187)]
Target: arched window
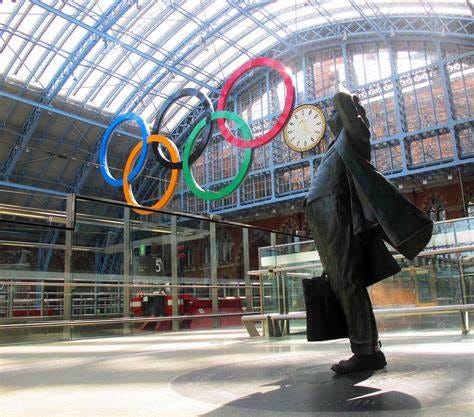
[(436, 210)]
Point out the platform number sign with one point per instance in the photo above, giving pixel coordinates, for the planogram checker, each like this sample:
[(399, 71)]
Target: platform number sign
[(159, 266)]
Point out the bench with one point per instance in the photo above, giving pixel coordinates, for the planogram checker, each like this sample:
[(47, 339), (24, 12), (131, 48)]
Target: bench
[(271, 320)]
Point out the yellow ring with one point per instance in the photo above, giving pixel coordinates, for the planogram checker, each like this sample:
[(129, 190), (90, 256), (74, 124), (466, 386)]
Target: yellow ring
[(127, 188)]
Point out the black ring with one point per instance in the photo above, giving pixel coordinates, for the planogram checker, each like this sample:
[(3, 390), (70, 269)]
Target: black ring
[(207, 131)]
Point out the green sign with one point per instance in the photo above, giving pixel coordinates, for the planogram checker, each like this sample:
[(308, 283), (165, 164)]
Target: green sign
[(142, 249)]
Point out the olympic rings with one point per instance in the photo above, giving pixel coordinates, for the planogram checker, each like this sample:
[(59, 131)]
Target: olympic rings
[(191, 153), (282, 119), (204, 99), (127, 188), (247, 160), (104, 167)]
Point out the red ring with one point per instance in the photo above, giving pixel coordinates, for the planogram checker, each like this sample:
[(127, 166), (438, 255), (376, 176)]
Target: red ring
[(284, 116)]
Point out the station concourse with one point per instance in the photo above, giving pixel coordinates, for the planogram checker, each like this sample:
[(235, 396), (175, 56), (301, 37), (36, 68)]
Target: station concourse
[(155, 162)]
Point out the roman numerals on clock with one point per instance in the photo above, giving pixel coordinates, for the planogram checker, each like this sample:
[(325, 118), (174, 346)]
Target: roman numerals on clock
[(305, 128)]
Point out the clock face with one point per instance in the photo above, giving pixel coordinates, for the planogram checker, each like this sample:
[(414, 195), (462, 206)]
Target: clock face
[(305, 129)]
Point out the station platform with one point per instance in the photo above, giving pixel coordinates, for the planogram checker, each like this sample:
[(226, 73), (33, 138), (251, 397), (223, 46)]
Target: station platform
[(224, 373)]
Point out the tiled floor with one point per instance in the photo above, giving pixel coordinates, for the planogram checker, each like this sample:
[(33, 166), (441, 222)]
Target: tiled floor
[(225, 373)]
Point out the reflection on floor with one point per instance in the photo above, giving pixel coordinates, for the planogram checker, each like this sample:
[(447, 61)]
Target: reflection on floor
[(224, 373)]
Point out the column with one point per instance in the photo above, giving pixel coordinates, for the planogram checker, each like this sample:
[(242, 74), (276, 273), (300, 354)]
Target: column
[(127, 328), (67, 289), (174, 271), (214, 262), (246, 258)]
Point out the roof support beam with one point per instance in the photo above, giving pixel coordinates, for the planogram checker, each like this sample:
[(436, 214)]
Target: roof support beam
[(99, 57), (59, 79), (148, 84), (31, 188), (123, 45), (55, 110), (178, 57)]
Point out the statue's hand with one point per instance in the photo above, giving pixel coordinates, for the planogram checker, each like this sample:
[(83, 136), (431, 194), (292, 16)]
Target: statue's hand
[(351, 120)]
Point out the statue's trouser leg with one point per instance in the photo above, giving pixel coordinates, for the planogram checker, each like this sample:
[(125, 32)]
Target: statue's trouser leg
[(360, 319), (341, 255)]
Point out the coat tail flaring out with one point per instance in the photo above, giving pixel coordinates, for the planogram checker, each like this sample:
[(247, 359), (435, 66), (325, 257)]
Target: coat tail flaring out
[(379, 210)]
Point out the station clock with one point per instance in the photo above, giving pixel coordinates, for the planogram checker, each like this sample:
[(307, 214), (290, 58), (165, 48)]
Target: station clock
[(305, 128)]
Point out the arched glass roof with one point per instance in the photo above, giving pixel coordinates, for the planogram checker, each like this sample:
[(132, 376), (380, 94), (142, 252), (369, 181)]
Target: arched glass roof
[(125, 55)]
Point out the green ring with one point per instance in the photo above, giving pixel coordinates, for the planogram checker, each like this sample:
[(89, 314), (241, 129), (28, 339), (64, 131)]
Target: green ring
[(195, 188)]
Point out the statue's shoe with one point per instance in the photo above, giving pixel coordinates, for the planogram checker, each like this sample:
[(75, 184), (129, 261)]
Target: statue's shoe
[(361, 363)]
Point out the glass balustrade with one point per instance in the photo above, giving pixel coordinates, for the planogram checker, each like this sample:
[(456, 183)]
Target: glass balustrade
[(92, 262), (107, 270), (442, 274)]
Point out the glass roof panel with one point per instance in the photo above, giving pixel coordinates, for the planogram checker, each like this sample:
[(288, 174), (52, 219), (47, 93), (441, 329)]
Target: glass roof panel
[(178, 37), (73, 8), (90, 83), (31, 21), (242, 27), (32, 60), (145, 69), (224, 57), (15, 45), (149, 111), (121, 96), (52, 69), (59, 26), (6, 11), (263, 44), (126, 67), (74, 38), (105, 90), (8, 54)]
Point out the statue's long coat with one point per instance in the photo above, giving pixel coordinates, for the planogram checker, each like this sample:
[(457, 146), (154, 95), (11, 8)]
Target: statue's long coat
[(379, 212)]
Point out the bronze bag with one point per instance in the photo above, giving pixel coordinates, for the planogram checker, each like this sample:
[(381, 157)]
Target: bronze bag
[(325, 319)]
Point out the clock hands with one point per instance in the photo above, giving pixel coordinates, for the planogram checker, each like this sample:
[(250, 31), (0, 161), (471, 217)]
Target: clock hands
[(302, 124)]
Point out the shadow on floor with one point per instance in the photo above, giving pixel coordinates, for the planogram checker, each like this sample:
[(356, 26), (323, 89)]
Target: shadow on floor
[(326, 393)]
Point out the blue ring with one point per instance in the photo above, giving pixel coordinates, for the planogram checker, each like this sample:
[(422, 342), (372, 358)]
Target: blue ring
[(104, 147)]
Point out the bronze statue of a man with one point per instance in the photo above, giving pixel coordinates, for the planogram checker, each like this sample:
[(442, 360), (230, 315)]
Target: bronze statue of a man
[(352, 209)]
